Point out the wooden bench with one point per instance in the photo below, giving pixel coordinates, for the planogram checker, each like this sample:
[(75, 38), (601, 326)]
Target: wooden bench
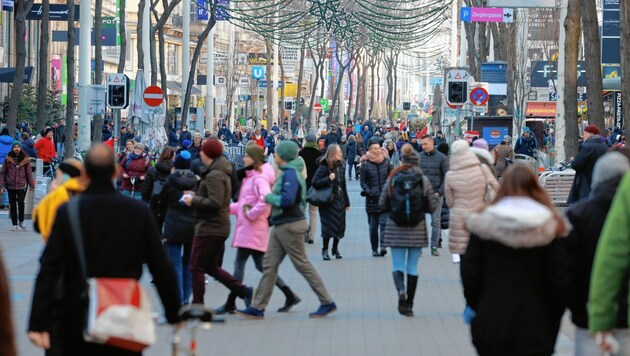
[(558, 185)]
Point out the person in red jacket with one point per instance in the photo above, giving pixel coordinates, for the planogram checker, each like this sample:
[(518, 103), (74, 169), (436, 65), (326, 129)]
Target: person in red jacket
[(45, 146), (134, 170), (259, 139)]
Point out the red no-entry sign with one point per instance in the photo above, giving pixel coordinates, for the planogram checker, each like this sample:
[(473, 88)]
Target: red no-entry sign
[(153, 96), (317, 107)]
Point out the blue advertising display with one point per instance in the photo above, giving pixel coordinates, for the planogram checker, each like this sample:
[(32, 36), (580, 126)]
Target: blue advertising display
[(610, 32), (221, 13), (494, 135), (202, 12)]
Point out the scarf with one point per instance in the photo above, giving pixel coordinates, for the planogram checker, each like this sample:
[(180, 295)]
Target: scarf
[(312, 145), (375, 158), (17, 158), (131, 157)]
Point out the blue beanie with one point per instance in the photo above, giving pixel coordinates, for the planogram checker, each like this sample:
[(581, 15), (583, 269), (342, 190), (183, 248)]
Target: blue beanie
[(182, 161)]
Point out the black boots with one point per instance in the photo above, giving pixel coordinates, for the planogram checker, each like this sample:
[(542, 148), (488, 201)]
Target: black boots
[(412, 283), (228, 307), (325, 255), (292, 299), (335, 249), (399, 282)]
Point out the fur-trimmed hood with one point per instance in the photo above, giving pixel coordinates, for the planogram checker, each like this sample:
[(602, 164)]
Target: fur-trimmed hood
[(516, 222)]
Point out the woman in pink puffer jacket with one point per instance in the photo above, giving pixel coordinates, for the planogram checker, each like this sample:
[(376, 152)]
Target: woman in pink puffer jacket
[(251, 234)]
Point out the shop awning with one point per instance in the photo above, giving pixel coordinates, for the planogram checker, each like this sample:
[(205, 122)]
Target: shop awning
[(541, 109)]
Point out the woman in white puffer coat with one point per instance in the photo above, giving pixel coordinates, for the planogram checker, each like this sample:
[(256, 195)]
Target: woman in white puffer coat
[(465, 189)]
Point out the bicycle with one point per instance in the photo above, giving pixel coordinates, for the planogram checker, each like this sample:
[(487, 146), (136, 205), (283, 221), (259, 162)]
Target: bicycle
[(193, 317), (50, 169)]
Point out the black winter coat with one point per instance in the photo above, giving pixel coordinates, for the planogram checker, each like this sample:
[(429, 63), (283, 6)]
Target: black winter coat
[(435, 165), (310, 155), (179, 225), (114, 250), (373, 179), (445, 215), (160, 172), (333, 216), (591, 150), (587, 217), (351, 150)]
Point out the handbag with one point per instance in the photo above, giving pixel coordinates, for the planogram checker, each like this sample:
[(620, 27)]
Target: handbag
[(319, 197), (489, 193), (119, 309)]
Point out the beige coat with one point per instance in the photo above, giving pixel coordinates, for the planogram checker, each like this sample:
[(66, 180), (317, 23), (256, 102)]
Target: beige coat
[(464, 189)]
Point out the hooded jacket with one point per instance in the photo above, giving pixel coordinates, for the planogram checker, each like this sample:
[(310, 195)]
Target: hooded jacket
[(583, 164), (160, 172), (252, 227), (135, 168), (512, 278), (17, 175), (212, 201), (178, 221), (45, 149), (6, 145), (526, 146), (464, 190), (310, 153), (333, 216), (288, 195)]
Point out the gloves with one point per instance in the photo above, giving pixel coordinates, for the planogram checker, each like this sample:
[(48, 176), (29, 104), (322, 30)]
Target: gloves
[(469, 315), (364, 193)]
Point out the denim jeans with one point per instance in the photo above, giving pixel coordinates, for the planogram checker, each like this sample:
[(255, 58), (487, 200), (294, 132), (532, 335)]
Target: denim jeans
[(351, 166), (377, 223), (242, 254), (180, 256), (405, 259), (137, 195), (60, 149), (436, 226)]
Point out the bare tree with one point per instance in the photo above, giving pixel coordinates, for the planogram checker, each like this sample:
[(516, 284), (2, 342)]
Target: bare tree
[(22, 7), (571, 48), (590, 27), (270, 85), (343, 66), (318, 54), (298, 105), (70, 64), (97, 126), (42, 68), (139, 30)]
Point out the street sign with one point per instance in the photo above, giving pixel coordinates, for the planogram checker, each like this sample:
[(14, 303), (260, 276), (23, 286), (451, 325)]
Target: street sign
[(258, 72), (324, 103), (153, 95), (456, 88), (486, 14), (479, 109), (479, 96), (436, 81), (97, 97), (117, 91), (243, 82), (263, 83), (317, 107)]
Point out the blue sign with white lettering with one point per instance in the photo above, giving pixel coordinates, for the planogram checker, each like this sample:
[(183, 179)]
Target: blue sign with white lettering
[(202, 12), (258, 72)]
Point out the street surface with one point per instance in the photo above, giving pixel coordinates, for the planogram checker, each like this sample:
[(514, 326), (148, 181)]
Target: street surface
[(366, 323)]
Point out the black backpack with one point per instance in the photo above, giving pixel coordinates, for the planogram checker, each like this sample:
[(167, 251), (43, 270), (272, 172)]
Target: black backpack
[(407, 198)]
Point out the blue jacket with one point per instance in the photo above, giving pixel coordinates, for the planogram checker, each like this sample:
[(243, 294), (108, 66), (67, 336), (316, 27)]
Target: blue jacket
[(526, 146), (29, 147), (6, 144)]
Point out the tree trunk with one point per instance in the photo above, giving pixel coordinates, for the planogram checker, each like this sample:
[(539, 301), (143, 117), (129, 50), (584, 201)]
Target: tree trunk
[(342, 69), (21, 8), (160, 21), (97, 125), (163, 76), (357, 98), (42, 69), (282, 97), (193, 65), (572, 46), (372, 82), (594, 94), (350, 93), (309, 119), (123, 36), (69, 145), (298, 106), (270, 102), (139, 31), (624, 12)]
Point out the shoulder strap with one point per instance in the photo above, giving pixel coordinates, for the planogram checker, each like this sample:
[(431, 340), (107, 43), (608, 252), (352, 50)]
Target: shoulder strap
[(77, 236)]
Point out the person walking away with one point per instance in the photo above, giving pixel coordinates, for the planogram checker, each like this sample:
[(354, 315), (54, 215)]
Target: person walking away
[(392, 153), (154, 183), (526, 144), (179, 227), (70, 181), (45, 148), (6, 144), (587, 217), (311, 154), (375, 169), (503, 152), (212, 223), (134, 229), (434, 165), (28, 145), (515, 238), (60, 138), (464, 189), (134, 170), (353, 156), (288, 200), (407, 196), (592, 148), (330, 173), (251, 235), (16, 176)]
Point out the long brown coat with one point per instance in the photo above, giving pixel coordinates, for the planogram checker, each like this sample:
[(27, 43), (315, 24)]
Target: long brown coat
[(464, 189)]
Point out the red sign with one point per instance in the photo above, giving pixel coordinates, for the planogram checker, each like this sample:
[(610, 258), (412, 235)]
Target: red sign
[(540, 109), (495, 133), (317, 107), (153, 95), (479, 96)]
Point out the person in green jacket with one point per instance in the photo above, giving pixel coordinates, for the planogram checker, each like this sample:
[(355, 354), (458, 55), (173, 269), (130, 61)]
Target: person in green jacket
[(611, 266)]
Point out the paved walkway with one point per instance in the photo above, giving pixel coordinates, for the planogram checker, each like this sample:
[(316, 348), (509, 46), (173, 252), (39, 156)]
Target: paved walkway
[(366, 323)]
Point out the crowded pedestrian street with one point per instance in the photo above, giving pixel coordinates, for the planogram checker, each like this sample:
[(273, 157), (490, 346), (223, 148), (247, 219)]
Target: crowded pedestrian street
[(367, 322)]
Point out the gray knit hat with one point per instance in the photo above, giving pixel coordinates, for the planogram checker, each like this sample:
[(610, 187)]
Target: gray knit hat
[(608, 166), (311, 138)]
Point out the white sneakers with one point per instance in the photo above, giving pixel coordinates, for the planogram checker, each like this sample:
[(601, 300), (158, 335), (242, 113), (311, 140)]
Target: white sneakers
[(14, 228), (22, 226), (18, 227)]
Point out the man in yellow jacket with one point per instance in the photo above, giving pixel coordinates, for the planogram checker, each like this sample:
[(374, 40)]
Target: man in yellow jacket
[(69, 181)]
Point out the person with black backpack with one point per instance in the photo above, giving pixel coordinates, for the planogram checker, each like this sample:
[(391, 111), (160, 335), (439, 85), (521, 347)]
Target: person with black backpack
[(407, 196), (154, 181)]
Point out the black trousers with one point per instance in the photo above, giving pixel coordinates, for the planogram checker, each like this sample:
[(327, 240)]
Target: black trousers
[(16, 204)]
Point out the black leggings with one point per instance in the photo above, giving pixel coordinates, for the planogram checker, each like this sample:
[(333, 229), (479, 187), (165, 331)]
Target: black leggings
[(16, 204), (335, 243)]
